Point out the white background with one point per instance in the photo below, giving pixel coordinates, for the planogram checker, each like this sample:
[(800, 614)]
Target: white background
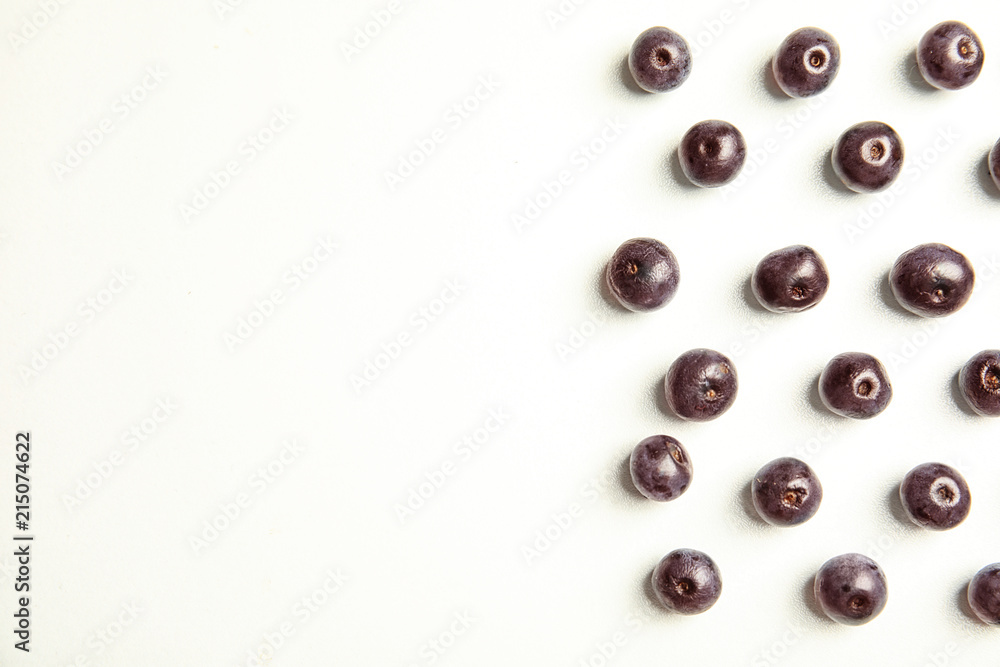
[(529, 334)]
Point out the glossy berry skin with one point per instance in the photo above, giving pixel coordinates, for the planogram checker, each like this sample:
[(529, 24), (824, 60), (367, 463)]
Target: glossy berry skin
[(994, 163), (700, 385), (806, 62), (687, 581), (643, 274), (984, 594), (979, 380), (855, 385), (950, 55), (660, 60), (786, 492), (868, 156), (712, 153), (661, 468), (851, 589), (790, 280), (935, 496), (932, 280)]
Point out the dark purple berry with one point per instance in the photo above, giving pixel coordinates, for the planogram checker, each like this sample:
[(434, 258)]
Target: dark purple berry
[(868, 156), (687, 581), (994, 163), (700, 385), (806, 62), (660, 60), (712, 153), (950, 55), (935, 496), (790, 280), (984, 594), (980, 383), (851, 589), (660, 467), (932, 280), (855, 384), (786, 492), (643, 274)]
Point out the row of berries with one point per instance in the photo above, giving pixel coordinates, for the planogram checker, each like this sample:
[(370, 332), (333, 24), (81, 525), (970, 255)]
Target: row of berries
[(850, 588), (950, 57), (868, 156), (929, 280)]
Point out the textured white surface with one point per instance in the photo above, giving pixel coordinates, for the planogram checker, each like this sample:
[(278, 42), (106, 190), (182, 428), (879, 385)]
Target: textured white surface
[(523, 297)]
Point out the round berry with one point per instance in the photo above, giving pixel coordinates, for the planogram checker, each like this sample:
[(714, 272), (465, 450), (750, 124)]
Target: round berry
[(984, 594), (950, 55), (700, 385), (660, 467), (994, 163), (932, 280), (790, 280), (712, 153), (979, 380), (786, 492), (660, 60), (868, 156), (851, 589), (687, 581), (643, 274), (935, 496), (806, 62), (855, 385)]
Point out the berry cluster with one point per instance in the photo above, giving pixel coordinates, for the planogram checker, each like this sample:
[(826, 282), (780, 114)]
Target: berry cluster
[(930, 280), (867, 157)]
